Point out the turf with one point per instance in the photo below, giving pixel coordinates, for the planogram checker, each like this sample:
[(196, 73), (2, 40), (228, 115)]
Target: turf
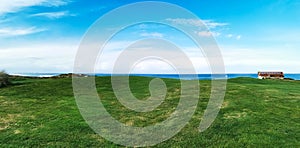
[(255, 113)]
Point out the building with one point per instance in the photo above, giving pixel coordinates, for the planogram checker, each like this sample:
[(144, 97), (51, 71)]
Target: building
[(270, 75)]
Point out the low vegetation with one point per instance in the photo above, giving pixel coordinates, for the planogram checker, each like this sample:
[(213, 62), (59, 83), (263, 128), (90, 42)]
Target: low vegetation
[(255, 113), (4, 79)]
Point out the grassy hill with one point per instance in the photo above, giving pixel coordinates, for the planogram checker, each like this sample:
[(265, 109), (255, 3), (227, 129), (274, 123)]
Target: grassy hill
[(43, 112)]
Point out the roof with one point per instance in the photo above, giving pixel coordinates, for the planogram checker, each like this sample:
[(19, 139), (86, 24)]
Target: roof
[(271, 73)]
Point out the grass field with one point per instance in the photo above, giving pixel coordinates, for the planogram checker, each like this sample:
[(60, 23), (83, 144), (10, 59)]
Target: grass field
[(255, 113)]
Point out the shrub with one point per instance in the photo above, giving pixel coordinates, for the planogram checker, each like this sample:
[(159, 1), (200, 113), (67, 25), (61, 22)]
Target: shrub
[(4, 79)]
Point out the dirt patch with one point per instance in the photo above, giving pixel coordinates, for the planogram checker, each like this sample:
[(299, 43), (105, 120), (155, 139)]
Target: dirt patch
[(17, 131), (3, 127), (141, 118), (271, 90), (6, 121), (225, 104), (7, 103), (235, 115), (96, 137), (129, 123), (38, 127)]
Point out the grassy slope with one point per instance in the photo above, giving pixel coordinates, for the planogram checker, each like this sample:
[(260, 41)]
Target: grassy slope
[(43, 112)]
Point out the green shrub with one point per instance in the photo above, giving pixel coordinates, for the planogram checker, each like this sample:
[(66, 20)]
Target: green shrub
[(4, 79)]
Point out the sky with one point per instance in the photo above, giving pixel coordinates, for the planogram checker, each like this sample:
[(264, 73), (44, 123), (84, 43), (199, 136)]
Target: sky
[(43, 36)]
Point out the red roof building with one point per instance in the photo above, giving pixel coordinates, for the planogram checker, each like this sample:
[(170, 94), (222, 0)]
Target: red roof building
[(270, 75)]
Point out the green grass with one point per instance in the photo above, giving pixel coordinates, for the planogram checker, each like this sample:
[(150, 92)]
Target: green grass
[(255, 113)]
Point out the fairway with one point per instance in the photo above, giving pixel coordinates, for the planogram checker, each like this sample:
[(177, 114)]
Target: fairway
[(255, 113)]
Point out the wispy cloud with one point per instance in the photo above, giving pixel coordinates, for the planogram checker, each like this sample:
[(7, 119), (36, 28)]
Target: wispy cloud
[(53, 15), (208, 33), (229, 35), (153, 34), (212, 24), (237, 37), (201, 25), (7, 32), (11, 6), (197, 23)]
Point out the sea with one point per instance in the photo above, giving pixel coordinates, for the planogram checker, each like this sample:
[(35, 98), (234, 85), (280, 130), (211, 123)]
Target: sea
[(170, 76)]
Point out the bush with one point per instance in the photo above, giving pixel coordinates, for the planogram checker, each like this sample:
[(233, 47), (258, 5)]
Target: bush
[(4, 79)]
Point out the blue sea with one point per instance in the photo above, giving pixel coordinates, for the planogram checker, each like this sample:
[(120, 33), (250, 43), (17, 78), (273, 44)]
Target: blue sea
[(171, 76)]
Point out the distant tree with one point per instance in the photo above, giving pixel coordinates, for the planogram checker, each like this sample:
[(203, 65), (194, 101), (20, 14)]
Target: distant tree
[(4, 79)]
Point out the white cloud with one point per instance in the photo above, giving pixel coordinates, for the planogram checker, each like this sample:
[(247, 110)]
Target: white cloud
[(210, 24), (236, 60), (206, 28), (237, 37), (205, 33), (243, 60), (208, 34), (53, 15), (57, 57), (7, 32), (229, 35), (152, 65), (109, 57), (153, 34), (11, 6)]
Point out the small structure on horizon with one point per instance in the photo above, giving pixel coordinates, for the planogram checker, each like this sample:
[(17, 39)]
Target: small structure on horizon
[(270, 75), (70, 75)]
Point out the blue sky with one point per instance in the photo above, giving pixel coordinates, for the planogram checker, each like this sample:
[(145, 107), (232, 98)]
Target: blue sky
[(44, 35)]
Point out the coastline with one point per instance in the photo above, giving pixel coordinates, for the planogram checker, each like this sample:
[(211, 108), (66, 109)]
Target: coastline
[(171, 76)]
